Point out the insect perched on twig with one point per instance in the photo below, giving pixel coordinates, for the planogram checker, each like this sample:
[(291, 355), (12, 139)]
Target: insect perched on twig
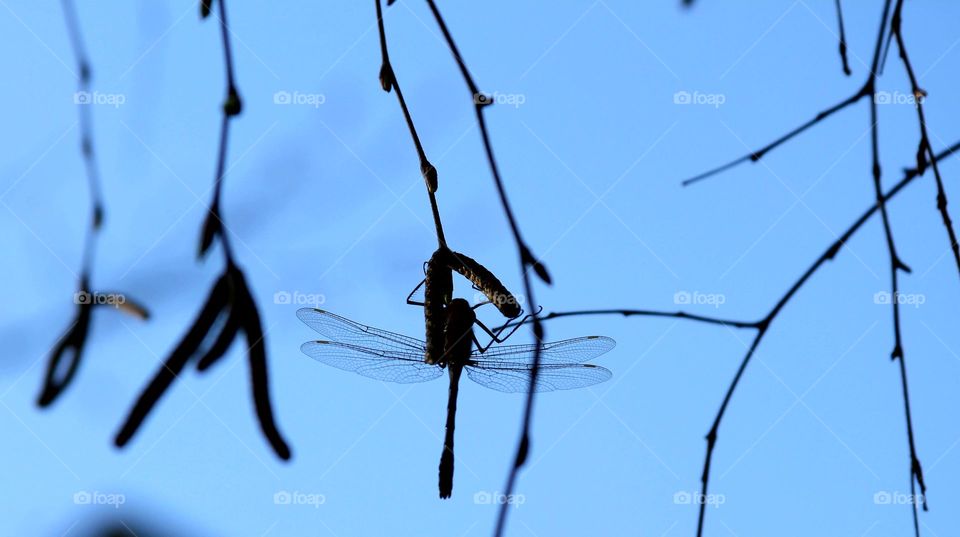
[(392, 357), (437, 287)]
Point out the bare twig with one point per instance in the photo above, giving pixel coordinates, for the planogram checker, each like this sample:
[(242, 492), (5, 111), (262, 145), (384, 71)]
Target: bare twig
[(230, 300), (71, 345), (388, 81), (896, 264), (925, 149), (641, 313), (843, 40), (764, 324), (924, 156)]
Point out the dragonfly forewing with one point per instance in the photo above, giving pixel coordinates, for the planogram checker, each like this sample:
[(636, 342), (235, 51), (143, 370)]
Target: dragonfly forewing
[(343, 330), (390, 366)]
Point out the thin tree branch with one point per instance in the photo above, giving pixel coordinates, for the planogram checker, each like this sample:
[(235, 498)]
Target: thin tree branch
[(924, 153), (230, 299), (843, 40), (925, 150), (639, 313), (764, 324), (388, 81), (65, 359)]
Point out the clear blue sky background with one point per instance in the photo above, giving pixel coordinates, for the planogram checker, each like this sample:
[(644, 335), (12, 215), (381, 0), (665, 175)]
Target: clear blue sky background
[(329, 200)]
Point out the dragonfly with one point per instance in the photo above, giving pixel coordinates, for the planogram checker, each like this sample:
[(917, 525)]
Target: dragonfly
[(437, 291), (392, 357)]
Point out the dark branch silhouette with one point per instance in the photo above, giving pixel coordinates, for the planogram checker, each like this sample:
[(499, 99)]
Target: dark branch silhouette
[(388, 81), (764, 324), (896, 263), (843, 40), (229, 302), (65, 359)]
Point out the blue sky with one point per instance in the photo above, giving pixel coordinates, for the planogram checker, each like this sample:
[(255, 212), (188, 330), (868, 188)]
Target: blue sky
[(324, 197)]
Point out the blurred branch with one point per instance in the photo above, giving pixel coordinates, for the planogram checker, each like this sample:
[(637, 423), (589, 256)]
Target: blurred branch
[(65, 359), (229, 302)]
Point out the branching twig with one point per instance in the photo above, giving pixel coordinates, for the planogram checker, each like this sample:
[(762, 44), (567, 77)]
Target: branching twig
[(230, 300), (58, 376), (896, 264), (925, 150), (764, 324), (924, 155)]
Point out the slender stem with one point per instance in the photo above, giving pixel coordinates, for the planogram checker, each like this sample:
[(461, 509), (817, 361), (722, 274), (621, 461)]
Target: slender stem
[(388, 81), (754, 156), (843, 40), (924, 153), (86, 135), (638, 313), (231, 107)]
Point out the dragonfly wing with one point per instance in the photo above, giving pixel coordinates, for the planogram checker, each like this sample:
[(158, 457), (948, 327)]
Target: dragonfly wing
[(392, 366), (507, 368), (568, 351), (344, 330), (550, 377)]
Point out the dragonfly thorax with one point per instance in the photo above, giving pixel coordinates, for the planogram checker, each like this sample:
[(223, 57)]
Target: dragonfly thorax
[(458, 334)]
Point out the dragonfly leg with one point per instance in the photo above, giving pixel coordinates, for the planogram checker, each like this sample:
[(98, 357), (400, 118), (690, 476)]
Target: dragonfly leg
[(415, 289), (495, 335)]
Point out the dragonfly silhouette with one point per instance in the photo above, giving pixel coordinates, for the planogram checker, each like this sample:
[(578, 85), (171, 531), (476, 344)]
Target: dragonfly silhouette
[(392, 357)]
